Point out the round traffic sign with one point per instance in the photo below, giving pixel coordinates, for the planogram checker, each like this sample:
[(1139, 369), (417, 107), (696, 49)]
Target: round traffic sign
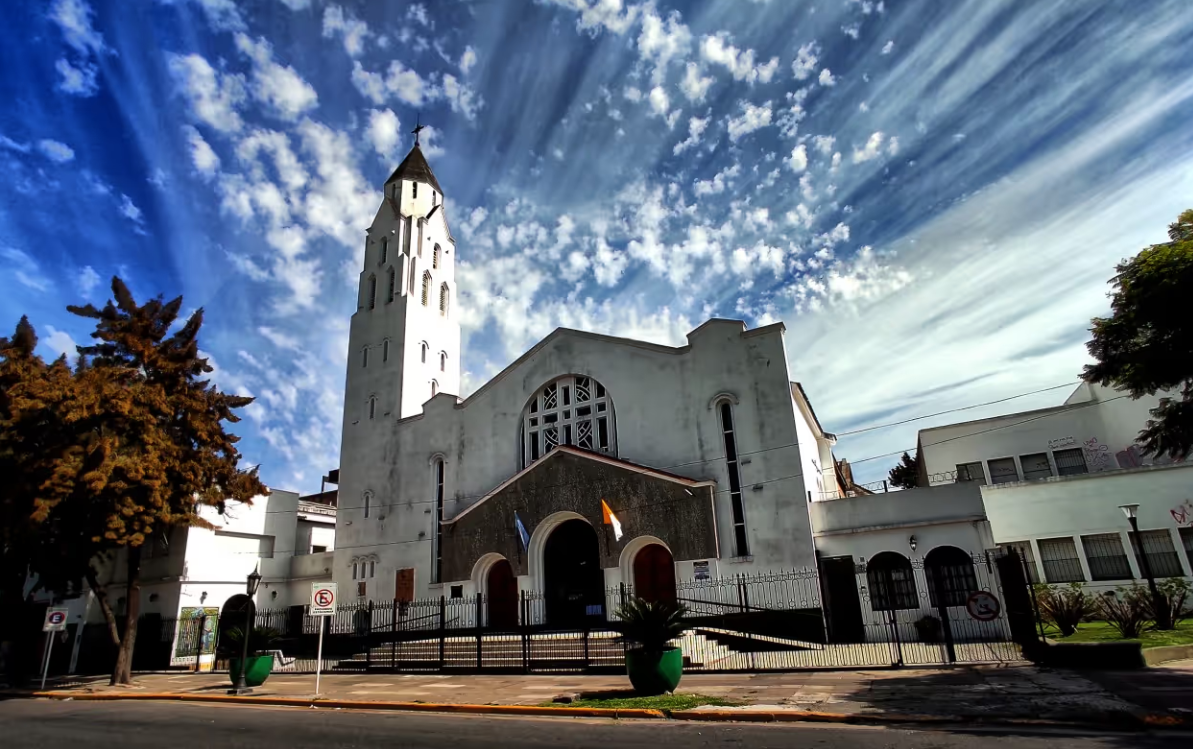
[(324, 597), (983, 606), (57, 617)]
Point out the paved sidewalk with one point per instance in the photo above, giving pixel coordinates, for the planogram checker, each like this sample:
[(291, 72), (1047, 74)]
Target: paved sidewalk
[(1166, 687), (991, 692)]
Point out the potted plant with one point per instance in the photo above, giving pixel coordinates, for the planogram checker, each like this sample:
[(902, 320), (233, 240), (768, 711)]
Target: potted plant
[(928, 628), (258, 666), (654, 665)]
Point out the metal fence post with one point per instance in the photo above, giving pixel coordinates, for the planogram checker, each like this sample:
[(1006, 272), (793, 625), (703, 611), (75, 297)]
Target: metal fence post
[(941, 607), (478, 630), (442, 628), (369, 637), (393, 633), (525, 622)]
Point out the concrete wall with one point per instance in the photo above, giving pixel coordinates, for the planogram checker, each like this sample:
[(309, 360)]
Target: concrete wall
[(1073, 506), (663, 416), (1099, 421)]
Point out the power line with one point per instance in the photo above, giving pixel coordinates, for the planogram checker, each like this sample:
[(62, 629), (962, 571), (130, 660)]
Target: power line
[(649, 469)]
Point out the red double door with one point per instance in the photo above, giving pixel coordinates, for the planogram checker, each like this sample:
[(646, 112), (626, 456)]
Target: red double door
[(654, 574)]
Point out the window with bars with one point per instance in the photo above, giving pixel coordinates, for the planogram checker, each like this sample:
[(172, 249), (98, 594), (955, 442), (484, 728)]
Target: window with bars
[(891, 583), (435, 257), (1187, 542), (949, 570), (732, 465), (1035, 466), (1106, 558), (1003, 471), (569, 411), (1060, 561), (1069, 462), (1023, 548), (1160, 551), (971, 472), (426, 287)]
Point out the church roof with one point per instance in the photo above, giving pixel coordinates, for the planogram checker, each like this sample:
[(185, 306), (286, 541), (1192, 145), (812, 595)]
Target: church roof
[(416, 169)]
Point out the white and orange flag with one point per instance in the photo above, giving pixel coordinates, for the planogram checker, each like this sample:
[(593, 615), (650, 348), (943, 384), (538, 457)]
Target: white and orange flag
[(611, 519)]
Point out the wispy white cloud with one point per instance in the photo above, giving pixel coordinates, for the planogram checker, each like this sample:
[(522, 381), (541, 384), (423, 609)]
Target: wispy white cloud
[(277, 86), (353, 31), (87, 280), (55, 151), (752, 118), (214, 98)]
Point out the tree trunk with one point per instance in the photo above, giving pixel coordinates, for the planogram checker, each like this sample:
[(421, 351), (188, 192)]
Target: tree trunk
[(105, 606), (122, 673)]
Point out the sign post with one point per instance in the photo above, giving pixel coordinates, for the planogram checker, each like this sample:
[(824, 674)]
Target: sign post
[(55, 622), (323, 605)]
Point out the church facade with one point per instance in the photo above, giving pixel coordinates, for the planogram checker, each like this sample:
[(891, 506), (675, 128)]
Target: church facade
[(707, 454)]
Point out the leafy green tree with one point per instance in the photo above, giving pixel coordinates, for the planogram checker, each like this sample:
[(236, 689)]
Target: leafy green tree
[(904, 475), (1146, 345), (135, 445)]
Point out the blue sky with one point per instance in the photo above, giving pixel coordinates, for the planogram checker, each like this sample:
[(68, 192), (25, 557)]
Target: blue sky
[(930, 195)]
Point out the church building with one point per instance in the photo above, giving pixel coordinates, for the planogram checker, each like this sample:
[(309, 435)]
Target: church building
[(589, 462)]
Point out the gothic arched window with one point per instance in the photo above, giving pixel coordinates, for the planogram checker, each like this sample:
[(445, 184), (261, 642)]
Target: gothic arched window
[(372, 291), (372, 406), (434, 388), (444, 296), (569, 411), (426, 287), (393, 281), (423, 351), (733, 468), (435, 257), (442, 361), (368, 503), (385, 350), (364, 356)]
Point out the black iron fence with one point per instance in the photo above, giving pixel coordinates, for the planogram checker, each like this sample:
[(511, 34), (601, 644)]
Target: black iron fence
[(905, 612)]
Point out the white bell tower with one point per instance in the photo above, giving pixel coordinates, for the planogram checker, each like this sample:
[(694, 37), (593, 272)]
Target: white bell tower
[(404, 340)]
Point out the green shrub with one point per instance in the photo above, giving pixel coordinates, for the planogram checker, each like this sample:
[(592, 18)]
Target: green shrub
[(651, 625), (1175, 592), (1064, 607), (1126, 609)]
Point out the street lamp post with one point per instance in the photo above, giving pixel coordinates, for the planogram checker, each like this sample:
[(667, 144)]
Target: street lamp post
[(241, 687), (1159, 603)]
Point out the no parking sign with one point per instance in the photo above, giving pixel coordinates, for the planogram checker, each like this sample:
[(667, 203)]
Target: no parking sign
[(55, 620), (323, 599)]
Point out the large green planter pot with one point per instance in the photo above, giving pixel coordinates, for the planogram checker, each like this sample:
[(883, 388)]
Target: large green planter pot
[(257, 672), (654, 673)]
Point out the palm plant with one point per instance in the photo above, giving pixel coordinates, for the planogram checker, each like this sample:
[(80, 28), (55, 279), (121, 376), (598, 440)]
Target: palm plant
[(651, 624), (233, 637)]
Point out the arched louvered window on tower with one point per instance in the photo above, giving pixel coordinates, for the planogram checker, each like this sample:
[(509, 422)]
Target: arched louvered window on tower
[(413, 275), (435, 257), (393, 280), (426, 287), (444, 296), (384, 250), (372, 291)]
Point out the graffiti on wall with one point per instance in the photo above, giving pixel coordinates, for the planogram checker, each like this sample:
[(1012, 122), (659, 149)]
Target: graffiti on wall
[(196, 624), (1183, 513), (1097, 455)]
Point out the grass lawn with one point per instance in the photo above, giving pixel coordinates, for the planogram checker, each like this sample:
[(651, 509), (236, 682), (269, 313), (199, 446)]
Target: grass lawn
[(626, 699), (1102, 632)]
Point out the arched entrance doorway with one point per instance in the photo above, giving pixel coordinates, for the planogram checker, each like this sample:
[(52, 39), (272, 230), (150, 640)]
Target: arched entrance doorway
[(502, 589), (573, 583), (654, 574)]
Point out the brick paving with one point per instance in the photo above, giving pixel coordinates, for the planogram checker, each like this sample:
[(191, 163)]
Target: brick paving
[(1009, 691)]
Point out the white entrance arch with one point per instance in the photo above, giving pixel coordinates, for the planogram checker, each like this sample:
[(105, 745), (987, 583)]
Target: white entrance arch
[(480, 571), (538, 543), (626, 562)]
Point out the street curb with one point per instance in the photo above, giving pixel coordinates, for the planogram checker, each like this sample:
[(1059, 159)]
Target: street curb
[(1122, 722), (430, 707)]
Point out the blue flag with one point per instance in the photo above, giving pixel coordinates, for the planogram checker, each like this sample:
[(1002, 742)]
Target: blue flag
[(522, 531)]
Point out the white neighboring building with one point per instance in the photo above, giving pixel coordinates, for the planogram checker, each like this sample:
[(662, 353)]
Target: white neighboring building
[(289, 540), (1052, 481)]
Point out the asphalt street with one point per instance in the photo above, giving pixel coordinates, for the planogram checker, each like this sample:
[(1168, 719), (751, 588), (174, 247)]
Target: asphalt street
[(130, 725)]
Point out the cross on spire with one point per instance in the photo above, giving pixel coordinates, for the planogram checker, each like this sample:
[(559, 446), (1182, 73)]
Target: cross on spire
[(418, 128)]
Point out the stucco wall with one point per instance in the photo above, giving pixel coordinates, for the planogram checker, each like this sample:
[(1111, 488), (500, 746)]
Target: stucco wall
[(662, 403), (1073, 506), (924, 505), (680, 516), (1097, 420)]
